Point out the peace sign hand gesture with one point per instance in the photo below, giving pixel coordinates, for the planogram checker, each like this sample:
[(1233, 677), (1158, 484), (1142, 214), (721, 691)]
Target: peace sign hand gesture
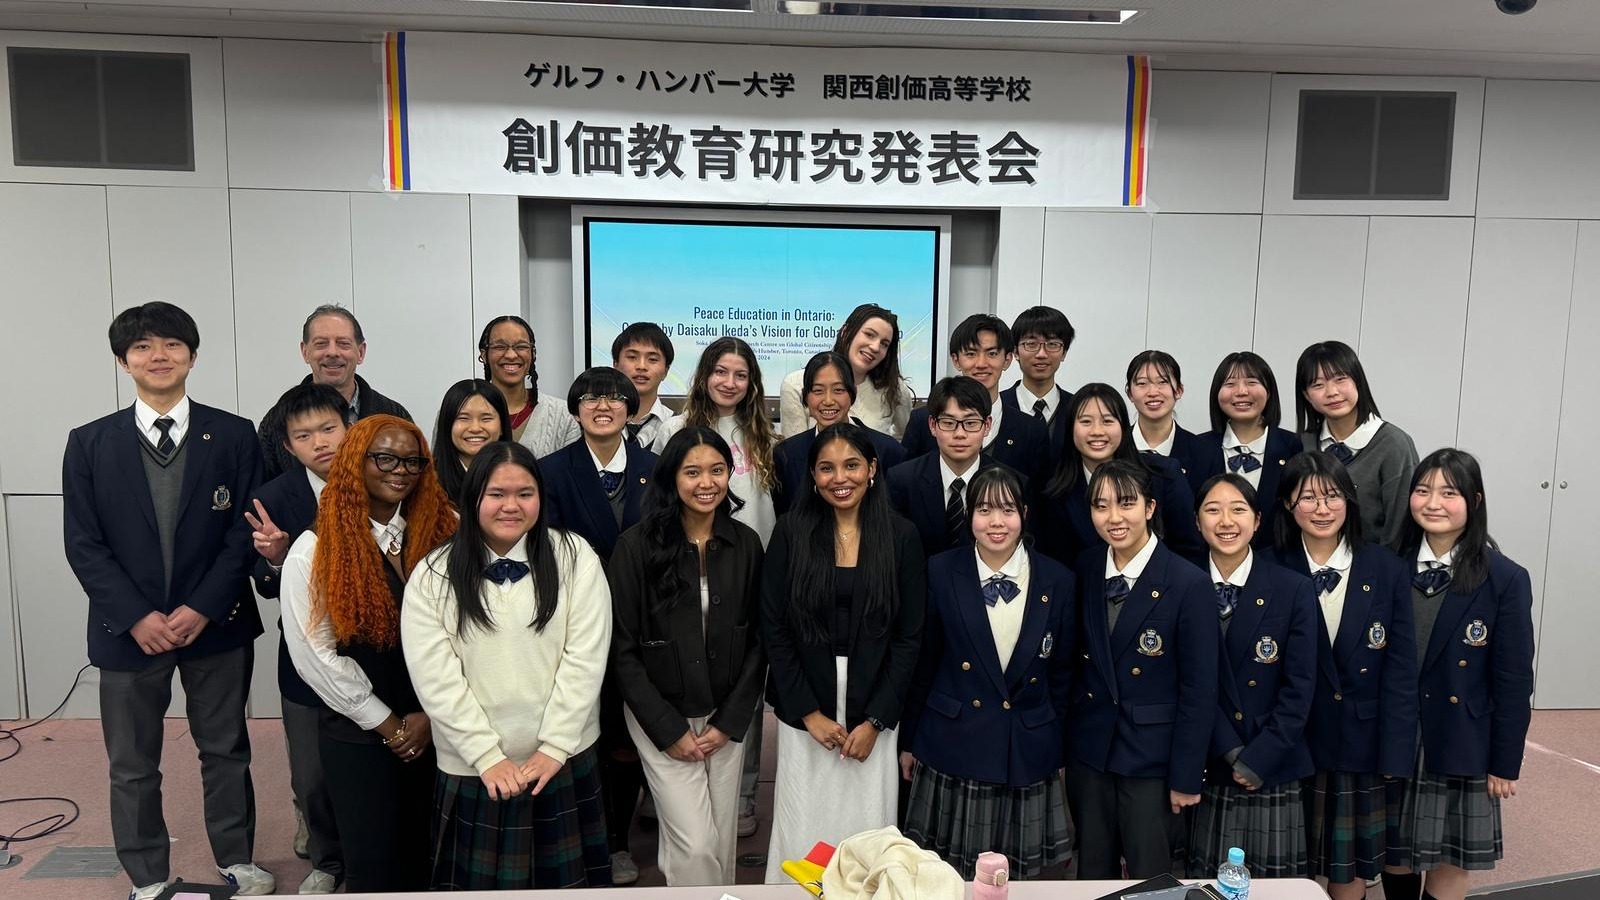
[(271, 541)]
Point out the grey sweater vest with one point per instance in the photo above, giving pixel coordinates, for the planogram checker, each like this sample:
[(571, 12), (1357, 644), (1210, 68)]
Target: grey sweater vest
[(166, 488)]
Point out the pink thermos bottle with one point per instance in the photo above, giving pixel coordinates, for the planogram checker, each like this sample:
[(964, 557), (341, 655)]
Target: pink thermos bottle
[(990, 881)]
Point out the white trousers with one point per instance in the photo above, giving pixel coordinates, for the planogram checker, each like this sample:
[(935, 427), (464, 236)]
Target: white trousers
[(697, 804)]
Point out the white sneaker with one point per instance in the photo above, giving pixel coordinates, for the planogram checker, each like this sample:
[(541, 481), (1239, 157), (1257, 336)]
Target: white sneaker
[(249, 879), (148, 892), (318, 882), (623, 869)]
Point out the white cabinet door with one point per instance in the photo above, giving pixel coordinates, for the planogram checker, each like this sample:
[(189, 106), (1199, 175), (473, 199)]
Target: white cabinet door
[(1308, 291), (1097, 271)]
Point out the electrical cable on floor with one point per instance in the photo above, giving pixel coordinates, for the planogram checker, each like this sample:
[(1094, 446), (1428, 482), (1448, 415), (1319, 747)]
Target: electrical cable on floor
[(52, 823)]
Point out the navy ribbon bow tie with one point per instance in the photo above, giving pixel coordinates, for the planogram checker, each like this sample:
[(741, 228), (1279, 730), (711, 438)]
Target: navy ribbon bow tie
[(1118, 588), (503, 570), (1433, 579), (1243, 459), (1341, 452), (1325, 579), (610, 481), (997, 588), (1227, 598)]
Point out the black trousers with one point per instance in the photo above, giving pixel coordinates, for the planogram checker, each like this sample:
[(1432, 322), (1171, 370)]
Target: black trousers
[(310, 786), (384, 812), (1116, 818)]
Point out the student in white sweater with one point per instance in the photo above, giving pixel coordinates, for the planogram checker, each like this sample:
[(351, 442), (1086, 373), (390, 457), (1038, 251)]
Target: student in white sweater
[(506, 631), (870, 340)]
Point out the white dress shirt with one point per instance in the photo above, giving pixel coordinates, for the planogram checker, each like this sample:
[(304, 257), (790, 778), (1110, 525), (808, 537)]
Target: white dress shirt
[(1135, 566), (1026, 399), (1239, 576), (1257, 448), (653, 434), (1163, 447), (1332, 602), (1425, 556), (145, 416), (618, 462), (996, 413), (1005, 618), (948, 475)]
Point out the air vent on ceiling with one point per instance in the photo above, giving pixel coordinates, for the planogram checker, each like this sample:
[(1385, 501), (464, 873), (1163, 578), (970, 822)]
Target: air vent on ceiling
[(1374, 145), (100, 109)]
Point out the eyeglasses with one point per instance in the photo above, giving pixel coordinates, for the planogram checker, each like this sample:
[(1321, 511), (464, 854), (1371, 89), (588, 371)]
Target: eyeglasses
[(1309, 502), (593, 401), (503, 347), (388, 462), (970, 426), (1032, 346)]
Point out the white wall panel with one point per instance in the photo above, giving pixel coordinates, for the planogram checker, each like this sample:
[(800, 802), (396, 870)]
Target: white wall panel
[(547, 227), (1308, 290), (1568, 668), (56, 272), (411, 258), (172, 244), (304, 115), (1097, 271), (291, 253), (1018, 268), (1414, 322), (10, 670), (1202, 298), (264, 701), (1538, 150), (1208, 141), (1512, 375), (497, 265)]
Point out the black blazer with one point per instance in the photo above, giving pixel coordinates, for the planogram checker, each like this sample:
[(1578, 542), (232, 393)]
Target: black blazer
[(113, 547), (1281, 445), (1060, 428), (791, 478), (1477, 676), (916, 491), (668, 662), (574, 500), (1188, 451), (1268, 670), (277, 459), (1021, 443), (1364, 713), (289, 500), (1063, 528), (972, 719), (1147, 691), (883, 651)]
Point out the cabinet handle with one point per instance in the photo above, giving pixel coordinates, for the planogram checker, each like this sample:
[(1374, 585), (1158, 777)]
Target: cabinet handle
[(1544, 485), (1563, 485)]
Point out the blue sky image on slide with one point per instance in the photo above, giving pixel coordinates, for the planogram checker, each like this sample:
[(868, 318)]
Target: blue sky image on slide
[(763, 283)]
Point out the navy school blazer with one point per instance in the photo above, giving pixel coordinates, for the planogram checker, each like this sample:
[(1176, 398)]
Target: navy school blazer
[(1188, 451), (916, 491), (1364, 712), (574, 500), (289, 500), (109, 525), (1477, 676), (969, 718), (1059, 426), (1281, 445), (1022, 442), (791, 478), (1146, 693), (1064, 529), (1268, 670)]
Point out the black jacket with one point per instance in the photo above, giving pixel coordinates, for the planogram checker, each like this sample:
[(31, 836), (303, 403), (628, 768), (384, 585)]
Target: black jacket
[(277, 459), (667, 665)]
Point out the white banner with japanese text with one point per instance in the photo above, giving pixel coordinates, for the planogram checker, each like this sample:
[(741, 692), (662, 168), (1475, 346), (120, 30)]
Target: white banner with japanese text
[(675, 122)]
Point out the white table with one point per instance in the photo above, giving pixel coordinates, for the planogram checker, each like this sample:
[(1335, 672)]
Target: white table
[(1265, 889)]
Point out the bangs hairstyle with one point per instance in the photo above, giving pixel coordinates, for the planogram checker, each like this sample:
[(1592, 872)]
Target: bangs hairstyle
[(1325, 360), (1469, 566), (1069, 468), (662, 520), (467, 556), (1161, 361), (885, 376), (1247, 365), (820, 361), (309, 398), (965, 337), (599, 381), (338, 312), (996, 486), (1315, 469), (1046, 322), (1128, 480), (967, 392), (810, 608), (156, 319), (647, 333), (751, 413), (1239, 484), (349, 586), (447, 459), (532, 378)]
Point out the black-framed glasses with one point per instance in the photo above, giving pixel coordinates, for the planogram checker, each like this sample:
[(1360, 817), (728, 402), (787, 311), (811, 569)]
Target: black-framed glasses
[(503, 347), (1332, 499), (1034, 346), (593, 401), (970, 426), (388, 462)]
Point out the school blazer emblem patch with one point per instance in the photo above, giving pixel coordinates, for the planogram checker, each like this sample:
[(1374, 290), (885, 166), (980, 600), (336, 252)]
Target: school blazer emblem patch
[(221, 498), (1048, 645), (1477, 634), (1266, 649), (1377, 636), (1150, 643)]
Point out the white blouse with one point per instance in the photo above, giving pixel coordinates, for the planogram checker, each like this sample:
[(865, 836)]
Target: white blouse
[(871, 407)]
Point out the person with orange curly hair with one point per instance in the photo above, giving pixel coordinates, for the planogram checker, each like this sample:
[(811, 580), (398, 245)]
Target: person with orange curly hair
[(381, 512)]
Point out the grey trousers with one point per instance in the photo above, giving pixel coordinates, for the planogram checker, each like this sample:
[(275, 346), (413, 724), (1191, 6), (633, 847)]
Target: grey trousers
[(310, 788), (132, 708)]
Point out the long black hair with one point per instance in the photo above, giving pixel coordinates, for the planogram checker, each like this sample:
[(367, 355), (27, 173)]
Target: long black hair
[(820, 361), (662, 519), (1129, 479), (464, 561), (1469, 565), (533, 367), (1248, 365), (885, 376), (446, 458), (1324, 360), (1321, 469), (811, 556), (1070, 467)]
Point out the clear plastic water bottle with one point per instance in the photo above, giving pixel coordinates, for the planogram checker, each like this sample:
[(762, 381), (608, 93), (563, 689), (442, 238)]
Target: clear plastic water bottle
[(1233, 879)]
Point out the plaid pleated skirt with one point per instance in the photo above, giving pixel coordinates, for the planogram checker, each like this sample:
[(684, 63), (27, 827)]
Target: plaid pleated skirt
[(1439, 820), (1269, 825), (1346, 825), (958, 819), (554, 840)]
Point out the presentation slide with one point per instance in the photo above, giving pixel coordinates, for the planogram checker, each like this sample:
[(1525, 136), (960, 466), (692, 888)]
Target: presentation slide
[(785, 289)]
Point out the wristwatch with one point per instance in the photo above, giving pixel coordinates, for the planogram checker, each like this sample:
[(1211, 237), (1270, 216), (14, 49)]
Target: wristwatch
[(876, 723)]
